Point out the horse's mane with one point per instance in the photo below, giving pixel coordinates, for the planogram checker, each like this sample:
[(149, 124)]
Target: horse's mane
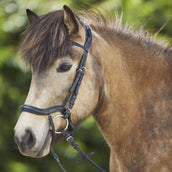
[(47, 38), (112, 28)]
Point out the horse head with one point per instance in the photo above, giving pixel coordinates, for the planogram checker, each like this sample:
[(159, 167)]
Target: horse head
[(47, 47)]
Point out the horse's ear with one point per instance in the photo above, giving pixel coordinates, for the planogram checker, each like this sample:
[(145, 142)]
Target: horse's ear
[(71, 21), (31, 15)]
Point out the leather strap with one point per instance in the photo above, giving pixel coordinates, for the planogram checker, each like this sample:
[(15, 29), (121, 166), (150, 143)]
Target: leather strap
[(39, 111)]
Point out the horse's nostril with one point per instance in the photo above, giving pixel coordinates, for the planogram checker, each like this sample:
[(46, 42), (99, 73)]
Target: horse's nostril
[(29, 139)]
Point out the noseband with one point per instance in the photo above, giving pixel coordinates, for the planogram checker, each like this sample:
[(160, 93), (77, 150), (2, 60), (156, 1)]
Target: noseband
[(66, 112)]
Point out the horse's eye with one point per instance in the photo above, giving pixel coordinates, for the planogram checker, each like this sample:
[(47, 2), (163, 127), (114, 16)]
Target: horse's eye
[(64, 67)]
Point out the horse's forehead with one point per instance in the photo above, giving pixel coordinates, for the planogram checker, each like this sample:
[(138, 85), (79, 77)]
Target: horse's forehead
[(45, 41)]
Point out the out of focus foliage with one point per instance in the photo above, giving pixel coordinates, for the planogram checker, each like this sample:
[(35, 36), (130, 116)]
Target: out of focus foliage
[(153, 15)]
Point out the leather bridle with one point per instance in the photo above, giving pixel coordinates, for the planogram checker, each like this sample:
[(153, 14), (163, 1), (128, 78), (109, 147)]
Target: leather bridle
[(66, 112)]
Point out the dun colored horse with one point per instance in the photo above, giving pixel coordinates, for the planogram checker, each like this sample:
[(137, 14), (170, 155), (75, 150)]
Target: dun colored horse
[(127, 87)]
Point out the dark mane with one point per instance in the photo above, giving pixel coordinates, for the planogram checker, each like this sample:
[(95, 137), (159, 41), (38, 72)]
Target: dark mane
[(45, 40)]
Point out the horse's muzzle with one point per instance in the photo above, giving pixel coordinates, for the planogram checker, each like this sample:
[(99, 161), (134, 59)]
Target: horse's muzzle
[(27, 144)]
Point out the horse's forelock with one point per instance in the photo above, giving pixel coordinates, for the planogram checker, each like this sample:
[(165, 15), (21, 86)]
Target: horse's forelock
[(45, 40)]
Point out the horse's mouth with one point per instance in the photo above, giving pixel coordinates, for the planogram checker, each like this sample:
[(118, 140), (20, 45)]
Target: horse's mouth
[(45, 149)]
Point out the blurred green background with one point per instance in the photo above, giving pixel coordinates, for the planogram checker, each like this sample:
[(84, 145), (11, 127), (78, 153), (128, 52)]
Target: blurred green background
[(15, 77)]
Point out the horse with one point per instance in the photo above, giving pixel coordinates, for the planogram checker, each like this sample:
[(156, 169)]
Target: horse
[(127, 87)]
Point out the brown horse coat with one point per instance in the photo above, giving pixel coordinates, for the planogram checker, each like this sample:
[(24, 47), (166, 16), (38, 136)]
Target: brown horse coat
[(129, 79)]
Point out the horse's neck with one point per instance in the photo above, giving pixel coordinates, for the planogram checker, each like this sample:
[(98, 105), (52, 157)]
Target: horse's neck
[(116, 99), (128, 72)]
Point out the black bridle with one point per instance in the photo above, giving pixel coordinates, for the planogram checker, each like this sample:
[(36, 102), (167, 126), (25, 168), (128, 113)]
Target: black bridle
[(66, 112)]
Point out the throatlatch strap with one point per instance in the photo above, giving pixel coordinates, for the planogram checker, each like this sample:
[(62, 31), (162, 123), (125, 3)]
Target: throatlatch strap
[(79, 45)]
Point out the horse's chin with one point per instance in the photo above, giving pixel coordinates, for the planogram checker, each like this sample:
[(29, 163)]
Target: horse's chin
[(45, 150), (40, 152)]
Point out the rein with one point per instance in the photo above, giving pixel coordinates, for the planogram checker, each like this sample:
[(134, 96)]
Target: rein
[(66, 112)]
